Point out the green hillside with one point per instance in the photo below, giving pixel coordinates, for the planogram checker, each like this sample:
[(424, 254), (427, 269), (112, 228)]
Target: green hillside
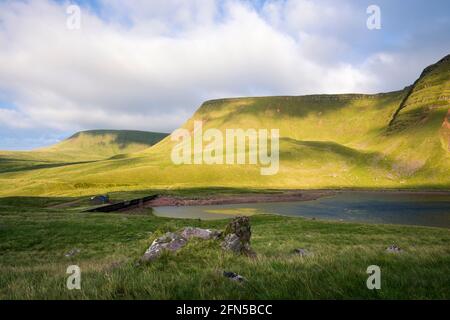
[(85, 146), (101, 144), (390, 140)]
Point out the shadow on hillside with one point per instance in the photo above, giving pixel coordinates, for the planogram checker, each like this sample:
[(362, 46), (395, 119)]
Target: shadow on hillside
[(417, 119), (124, 137), (323, 147), (33, 202), (18, 165)]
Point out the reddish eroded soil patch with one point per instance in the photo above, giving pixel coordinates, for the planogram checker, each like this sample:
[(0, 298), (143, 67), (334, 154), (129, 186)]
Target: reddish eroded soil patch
[(161, 201)]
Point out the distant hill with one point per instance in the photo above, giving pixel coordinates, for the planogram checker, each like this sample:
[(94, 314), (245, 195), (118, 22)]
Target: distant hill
[(101, 144), (84, 146), (398, 139)]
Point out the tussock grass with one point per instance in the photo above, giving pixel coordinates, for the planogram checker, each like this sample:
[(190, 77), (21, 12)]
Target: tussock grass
[(33, 242)]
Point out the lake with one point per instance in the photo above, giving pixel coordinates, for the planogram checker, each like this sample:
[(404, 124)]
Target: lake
[(425, 209)]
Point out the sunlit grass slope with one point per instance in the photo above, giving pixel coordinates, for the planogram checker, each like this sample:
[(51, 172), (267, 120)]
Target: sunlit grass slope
[(85, 146), (101, 144), (394, 140)]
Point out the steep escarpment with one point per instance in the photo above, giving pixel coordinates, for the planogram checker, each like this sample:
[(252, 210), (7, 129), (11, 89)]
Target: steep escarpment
[(429, 92)]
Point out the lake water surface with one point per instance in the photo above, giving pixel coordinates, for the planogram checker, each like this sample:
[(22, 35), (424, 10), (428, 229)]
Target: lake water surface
[(426, 209)]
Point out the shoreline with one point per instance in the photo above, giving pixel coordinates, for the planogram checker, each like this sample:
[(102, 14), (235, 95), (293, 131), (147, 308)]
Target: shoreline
[(283, 196), (176, 201)]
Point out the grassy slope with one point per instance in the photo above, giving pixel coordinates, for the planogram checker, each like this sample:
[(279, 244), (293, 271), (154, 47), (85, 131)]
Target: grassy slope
[(422, 115), (33, 242), (85, 146), (327, 141), (102, 144)]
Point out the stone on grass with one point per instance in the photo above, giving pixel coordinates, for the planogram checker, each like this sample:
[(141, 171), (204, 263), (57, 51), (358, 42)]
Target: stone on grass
[(72, 252), (394, 249), (302, 252), (234, 276), (237, 236), (170, 241), (173, 241)]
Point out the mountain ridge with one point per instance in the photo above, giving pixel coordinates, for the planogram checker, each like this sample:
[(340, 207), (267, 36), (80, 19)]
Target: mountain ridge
[(326, 142), (106, 142), (445, 61)]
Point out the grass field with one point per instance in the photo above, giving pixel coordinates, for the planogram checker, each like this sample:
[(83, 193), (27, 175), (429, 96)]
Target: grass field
[(34, 241), (391, 140), (83, 147)]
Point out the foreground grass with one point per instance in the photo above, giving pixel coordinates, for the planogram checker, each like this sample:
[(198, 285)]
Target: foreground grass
[(33, 243)]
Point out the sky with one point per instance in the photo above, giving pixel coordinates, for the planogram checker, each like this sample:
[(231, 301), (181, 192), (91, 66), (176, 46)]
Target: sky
[(149, 64)]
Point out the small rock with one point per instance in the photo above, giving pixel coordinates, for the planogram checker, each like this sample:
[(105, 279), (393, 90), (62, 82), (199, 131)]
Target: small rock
[(205, 234), (234, 276), (72, 252), (302, 252), (394, 249), (170, 241)]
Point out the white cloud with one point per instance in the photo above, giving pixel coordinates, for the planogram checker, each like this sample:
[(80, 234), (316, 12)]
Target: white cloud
[(14, 119), (149, 64)]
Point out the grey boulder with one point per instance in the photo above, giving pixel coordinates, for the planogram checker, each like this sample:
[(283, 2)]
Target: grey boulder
[(171, 241), (205, 234)]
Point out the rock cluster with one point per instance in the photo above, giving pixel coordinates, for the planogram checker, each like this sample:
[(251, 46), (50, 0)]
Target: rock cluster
[(236, 239)]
